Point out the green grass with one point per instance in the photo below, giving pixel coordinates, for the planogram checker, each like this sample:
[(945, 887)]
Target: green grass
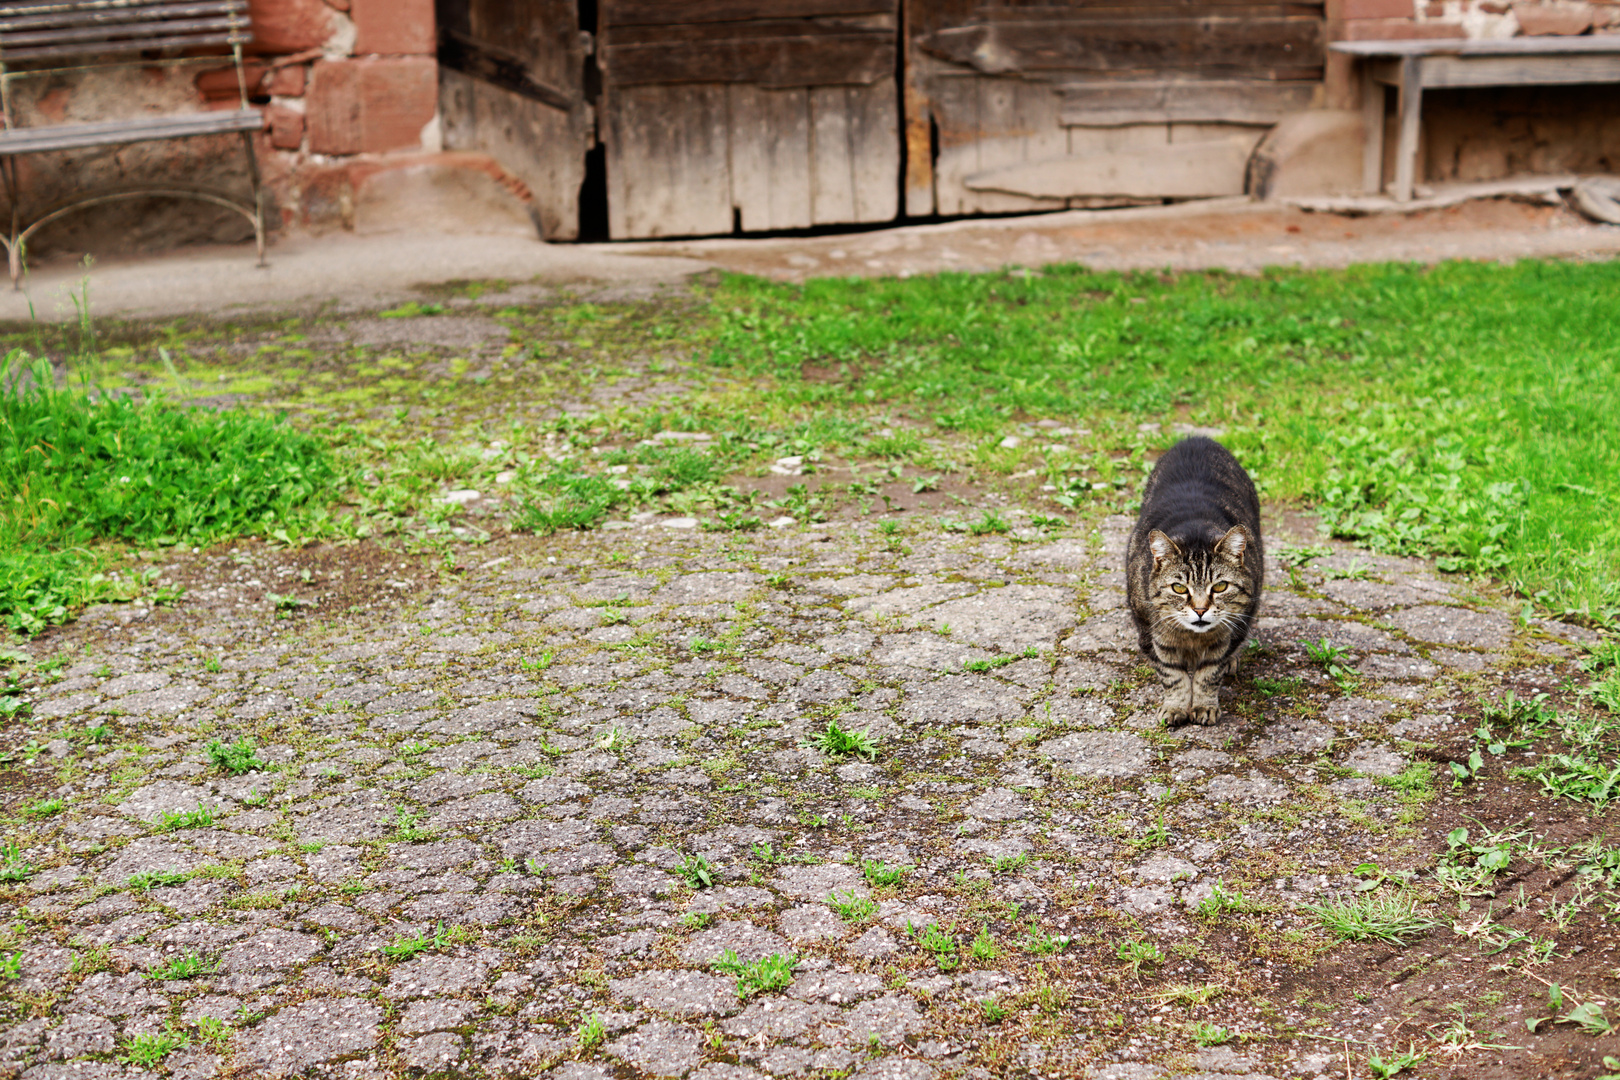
[(1463, 410), (80, 470)]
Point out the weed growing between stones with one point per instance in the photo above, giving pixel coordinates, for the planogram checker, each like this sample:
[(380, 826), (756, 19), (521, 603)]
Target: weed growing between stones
[(188, 966), (235, 758), (851, 907), (148, 1049), (1382, 916), (697, 872), (762, 976), (837, 742)]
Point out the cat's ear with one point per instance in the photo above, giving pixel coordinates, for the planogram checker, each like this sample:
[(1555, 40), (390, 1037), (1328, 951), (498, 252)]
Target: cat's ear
[(1162, 546), (1232, 546)]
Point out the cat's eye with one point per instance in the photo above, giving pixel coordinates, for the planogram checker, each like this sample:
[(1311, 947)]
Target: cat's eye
[(1179, 589), (1220, 586)]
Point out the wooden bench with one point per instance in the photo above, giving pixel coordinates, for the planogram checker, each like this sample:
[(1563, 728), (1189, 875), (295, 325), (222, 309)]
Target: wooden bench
[(45, 37), (1414, 66)]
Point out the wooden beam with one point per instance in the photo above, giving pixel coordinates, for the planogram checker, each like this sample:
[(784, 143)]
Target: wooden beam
[(1178, 170), (1119, 103), (1410, 110), (1236, 47), (686, 12)]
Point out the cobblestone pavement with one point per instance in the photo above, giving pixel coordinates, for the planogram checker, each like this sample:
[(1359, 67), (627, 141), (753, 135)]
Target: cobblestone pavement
[(505, 822)]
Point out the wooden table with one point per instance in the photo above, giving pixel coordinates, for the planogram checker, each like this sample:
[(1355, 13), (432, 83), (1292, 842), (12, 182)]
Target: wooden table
[(1412, 66)]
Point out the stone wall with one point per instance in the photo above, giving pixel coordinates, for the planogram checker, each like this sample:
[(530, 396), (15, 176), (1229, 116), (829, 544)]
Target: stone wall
[(350, 91)]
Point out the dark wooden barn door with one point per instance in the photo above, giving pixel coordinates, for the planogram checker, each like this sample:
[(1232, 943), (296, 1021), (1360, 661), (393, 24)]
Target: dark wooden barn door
[(723, 114), (714, 116), (1042, 105), (512, 84)]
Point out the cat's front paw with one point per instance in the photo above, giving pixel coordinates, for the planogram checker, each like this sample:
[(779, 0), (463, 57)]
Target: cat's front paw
[(1174, 716), (1204, 715)]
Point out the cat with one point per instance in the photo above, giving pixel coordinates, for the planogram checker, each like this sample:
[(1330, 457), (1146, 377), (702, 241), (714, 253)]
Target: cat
[(1193, 572)]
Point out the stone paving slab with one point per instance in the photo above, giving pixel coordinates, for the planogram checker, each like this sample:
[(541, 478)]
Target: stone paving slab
[(471, 846)]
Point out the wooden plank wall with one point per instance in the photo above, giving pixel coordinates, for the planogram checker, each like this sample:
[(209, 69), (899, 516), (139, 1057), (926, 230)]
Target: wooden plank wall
[(775, 115), (511, 85), (999, 83)]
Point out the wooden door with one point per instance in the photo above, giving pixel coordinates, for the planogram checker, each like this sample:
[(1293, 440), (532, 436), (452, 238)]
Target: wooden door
[(1056, 103), (512, 84), (727, 115)]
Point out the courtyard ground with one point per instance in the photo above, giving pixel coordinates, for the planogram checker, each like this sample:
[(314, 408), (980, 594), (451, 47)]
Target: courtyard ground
[(844, 766)]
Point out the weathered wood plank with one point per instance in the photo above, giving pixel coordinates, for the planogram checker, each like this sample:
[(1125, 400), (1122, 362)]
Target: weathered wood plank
[(1186, 170), (878, 27), (542, 35), (502, 68), (832, 168), (1239, 101), (673, 12), (769, 133), (1210, 46), (1086, 10), (987, 124), (539, 145), (668, 173), (822, 59), (874, 140), (1454, 71), (918, 118), (520, 98)]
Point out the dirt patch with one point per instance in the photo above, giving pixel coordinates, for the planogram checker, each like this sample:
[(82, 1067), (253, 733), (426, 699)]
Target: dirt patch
[(1247, 238), (324, 580)]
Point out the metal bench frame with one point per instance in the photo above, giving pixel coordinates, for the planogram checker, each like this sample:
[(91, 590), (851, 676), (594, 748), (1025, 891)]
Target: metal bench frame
[(103, 34)]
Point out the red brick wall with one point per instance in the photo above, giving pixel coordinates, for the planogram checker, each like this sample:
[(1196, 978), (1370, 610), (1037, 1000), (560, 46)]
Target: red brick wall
[(343, 78), (1384, 20)]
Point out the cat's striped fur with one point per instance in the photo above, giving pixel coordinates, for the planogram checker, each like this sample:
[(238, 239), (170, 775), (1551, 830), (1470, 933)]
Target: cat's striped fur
[(1194, 569)]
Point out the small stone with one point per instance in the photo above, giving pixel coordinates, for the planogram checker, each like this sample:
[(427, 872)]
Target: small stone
[(998, 804), (874, 944), (423, 1016), (1375, 761), (683, 994), (1099, 753), (297, 1037), (748, 941), (679, 523), (1166, 869), (810, 922), (659, 1049)]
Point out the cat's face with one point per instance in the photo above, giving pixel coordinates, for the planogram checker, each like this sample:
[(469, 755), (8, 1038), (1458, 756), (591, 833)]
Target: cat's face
[(1198, 590)]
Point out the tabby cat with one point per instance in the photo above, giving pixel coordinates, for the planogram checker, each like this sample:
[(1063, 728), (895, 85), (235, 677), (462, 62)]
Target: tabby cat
[(1193, 572)]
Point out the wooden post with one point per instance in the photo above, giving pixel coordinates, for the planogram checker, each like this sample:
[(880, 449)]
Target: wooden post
[(1411, 108), (1372, 120)]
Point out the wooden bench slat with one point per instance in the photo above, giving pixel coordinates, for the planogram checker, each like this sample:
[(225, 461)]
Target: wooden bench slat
[(10, 23), (188, 41), (92, 36), (118, 132)]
